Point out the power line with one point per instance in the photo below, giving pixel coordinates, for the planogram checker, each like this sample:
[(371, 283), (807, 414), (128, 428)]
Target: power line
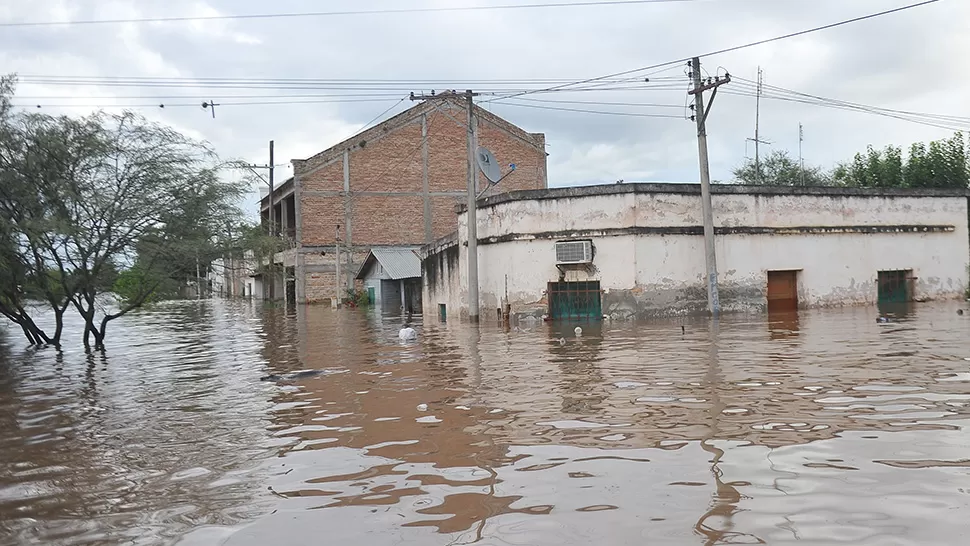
[(65, 101), (192, 104), (381, 96), (583, 111), (395, 91), (340, 13), (735, 48), (783, 91), (601, 103), (381, 115), (354, 194), (141, 79), (392, 87), (805, 98), (954, 123)]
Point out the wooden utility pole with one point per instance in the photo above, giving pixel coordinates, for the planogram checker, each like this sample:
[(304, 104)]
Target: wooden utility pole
[(700, 116), (472, 136)]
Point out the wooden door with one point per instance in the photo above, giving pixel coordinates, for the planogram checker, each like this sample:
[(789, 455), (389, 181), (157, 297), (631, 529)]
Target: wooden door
[(782, 290)]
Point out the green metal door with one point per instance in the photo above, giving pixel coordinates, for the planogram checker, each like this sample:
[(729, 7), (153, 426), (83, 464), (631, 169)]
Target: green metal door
[(371, 296), (575, 300), (894, 286)]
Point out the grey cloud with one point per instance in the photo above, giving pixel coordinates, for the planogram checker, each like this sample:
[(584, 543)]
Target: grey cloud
[(897, 61)]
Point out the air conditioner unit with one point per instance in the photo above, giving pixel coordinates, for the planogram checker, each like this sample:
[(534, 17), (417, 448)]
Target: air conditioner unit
[(574, 252)]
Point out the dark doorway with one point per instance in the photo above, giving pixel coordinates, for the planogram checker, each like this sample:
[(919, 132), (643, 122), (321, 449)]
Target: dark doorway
[(412, 295), (575, 300), (782, 291), (895, 286), (290, 286), (391, 296)]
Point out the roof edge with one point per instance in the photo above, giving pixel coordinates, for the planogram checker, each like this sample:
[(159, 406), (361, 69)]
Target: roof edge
[(716, 189), (304, 166)]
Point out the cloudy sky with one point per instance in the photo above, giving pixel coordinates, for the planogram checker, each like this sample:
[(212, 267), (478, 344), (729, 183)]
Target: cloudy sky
[(910, 61)]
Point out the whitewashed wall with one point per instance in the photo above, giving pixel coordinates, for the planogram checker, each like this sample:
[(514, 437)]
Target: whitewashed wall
[(647, 265)]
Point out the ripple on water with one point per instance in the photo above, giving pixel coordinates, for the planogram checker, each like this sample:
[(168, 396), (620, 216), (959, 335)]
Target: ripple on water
[(822, 427)]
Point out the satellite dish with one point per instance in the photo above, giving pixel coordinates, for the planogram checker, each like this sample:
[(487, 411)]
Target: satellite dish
[(489, 165)]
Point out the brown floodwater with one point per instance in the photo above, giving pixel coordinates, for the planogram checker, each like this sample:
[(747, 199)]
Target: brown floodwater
[(822, 427)]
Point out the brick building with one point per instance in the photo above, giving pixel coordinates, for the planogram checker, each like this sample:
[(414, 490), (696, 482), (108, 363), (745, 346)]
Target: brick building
[(394, 185)]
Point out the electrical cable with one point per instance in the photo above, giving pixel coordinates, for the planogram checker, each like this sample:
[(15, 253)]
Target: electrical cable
[(584, 111), (398, 11), (739, 47)]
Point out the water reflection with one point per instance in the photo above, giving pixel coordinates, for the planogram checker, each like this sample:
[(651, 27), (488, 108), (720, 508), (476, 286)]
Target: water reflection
[(820, 426), (783, 324), (897, 311)]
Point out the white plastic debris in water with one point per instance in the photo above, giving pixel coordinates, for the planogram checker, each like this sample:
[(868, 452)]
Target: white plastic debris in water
[(428, 419), (578, 331), (463, 408), (408, 334), (422, 407)]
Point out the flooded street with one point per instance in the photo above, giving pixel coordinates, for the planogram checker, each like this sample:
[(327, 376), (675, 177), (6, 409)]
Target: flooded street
[(823, 427)]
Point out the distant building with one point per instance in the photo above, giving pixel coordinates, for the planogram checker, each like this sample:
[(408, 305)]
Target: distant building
[(637, 250), (234, 277), (392, 279), (394, 185)]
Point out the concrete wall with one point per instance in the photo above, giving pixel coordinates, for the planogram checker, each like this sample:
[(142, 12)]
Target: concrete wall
[(649, 247), (253, 288), (373, 278), (397, 184), (441, 277)]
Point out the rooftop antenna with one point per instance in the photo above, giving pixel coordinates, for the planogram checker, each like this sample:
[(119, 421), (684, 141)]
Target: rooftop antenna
[(490, 168), (210, 105)]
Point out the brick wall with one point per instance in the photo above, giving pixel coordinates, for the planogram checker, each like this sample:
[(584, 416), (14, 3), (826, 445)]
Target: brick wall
[(388, 220), (319, 286), (387, 188)]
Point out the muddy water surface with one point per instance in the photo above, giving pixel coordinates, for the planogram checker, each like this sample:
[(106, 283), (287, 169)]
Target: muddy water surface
[(192, 429)]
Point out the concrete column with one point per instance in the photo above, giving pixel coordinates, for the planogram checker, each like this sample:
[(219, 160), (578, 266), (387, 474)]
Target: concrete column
[(425, 183), (284, 217), (348, 221), (300, 273), (298, 225)]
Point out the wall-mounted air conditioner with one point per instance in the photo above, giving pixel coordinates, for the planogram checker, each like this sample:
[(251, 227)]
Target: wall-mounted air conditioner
[(574, 252)]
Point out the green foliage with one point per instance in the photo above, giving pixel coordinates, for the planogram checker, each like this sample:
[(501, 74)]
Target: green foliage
[(82, 198), (942, 164), (355, 298), (779, 169), (138, 284)]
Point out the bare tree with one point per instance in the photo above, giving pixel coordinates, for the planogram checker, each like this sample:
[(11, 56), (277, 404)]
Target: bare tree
[(84, 198)]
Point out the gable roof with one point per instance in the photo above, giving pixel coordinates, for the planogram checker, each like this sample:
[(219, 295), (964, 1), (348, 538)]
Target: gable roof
[(398, 263), (305, 166)]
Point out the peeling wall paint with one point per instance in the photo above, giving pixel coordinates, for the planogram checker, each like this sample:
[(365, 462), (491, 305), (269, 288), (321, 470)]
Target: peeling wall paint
[(649, 249)]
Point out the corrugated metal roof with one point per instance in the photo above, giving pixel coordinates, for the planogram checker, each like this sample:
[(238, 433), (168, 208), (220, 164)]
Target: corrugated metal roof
[(398, 263)]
